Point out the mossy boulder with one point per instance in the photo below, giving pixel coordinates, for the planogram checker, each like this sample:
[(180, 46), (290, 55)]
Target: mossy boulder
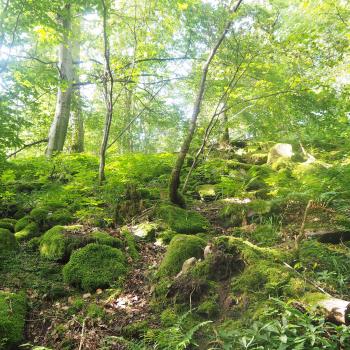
[(95, 266), (59, 217), (59, 242), (4, 223), (181, 248), (7, 240), (39, 215), (22, 223), (130, 244), (28, 232), (278, 151), (181, 220), (12, 319), (145, 231)]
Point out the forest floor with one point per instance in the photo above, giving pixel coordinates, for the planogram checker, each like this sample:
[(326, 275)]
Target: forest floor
[(236, 236)]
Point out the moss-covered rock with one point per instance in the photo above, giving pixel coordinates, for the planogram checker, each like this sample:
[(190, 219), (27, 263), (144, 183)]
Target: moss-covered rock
[(59, 242), (60, 216), (94, 266), (181, 220), (7, 240), (39, 215), (207, 192), (8, 224), (181, 248), (28, 232), (22, 223), (145, 231), (101, 237), (12, 319)]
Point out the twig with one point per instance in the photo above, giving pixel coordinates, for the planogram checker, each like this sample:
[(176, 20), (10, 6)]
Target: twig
[(82, 335)]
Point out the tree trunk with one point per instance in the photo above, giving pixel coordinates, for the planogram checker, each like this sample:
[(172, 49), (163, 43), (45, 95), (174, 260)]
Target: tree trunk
[(108, 96), (225, 139), (76, 115), (174, 184), (59, 126)]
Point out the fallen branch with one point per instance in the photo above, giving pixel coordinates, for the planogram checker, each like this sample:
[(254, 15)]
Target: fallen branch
[(26, 146)]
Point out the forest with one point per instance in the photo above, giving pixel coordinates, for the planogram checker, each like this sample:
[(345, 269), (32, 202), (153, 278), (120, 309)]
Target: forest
[(174, 174)]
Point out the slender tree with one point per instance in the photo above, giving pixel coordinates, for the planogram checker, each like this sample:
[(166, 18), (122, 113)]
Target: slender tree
[(76, 114), (108, 83), (174, 185), (59, 126)]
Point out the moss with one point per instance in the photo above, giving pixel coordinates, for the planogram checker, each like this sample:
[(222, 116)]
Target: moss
[(101, 237), (7, 225), (295, 287), (95, 311), (9, 220), (59, 242), (130, 244), (206, 192), (168, 317), (54, 244), (12, 319), (265, 235), (22, 223), (28, 232), (34, 243), (39, 215), (77, 305), (145, 231), (262, 276), (208, 308), (249, 252), (181, 248), (320, 256), (136, 329), (7, 241), (181, 220), (166, 236), (94, 266), (60, 217)]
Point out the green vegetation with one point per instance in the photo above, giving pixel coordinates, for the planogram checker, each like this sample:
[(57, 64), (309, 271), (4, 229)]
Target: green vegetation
[(174, 174), (181, 220), (181, 248), (12, 317), (95, 266)]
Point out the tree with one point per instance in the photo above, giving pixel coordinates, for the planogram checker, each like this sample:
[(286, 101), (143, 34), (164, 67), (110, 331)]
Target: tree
[(59, 126), (174, 195)]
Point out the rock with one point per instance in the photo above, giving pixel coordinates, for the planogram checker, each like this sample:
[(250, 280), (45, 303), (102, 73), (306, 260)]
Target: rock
[(145, 231), (206, 192), (187, 265), (7, 241), (280, 150)]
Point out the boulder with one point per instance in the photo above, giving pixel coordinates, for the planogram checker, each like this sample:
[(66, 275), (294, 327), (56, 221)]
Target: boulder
[(280, 150)]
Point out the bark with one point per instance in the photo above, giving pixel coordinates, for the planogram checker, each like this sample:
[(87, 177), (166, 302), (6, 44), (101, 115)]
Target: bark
[(26, 146), (174, 184), (225, 139), (76, 114), (336, 310), (59, 126), (108, 95)]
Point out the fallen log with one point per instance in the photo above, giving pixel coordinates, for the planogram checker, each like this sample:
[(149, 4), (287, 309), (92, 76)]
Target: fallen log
[(329, 236), (336, 310)]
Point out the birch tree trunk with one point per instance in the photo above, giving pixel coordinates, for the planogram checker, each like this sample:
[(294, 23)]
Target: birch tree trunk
[(174, 184), (76, 114), (59, 126), (108, 84)]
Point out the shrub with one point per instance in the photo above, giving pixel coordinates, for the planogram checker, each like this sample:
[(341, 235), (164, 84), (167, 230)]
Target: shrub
[(94, 266), (12, 319), (181, 248), (181, 220), (7, 240)]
